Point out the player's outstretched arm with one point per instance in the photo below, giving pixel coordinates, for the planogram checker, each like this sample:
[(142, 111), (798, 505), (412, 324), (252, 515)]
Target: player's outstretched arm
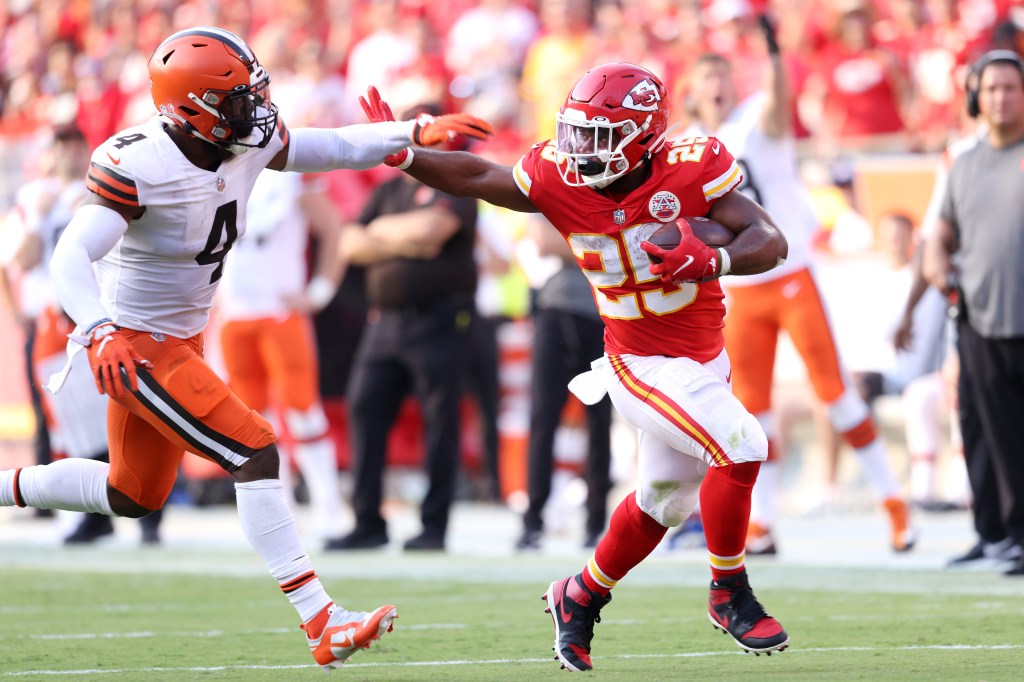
[(759, 245), (362, 146), (463, 174)]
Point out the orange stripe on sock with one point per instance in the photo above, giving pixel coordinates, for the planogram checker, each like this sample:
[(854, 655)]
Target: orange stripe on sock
[(862, 434), (296, 583), (18, 501), (669, 409)]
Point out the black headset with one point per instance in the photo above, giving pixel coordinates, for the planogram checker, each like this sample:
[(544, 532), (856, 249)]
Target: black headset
[(974, 75)]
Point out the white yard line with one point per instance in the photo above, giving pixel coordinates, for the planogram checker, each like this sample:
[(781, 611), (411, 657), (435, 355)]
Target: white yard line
[(502, 661)]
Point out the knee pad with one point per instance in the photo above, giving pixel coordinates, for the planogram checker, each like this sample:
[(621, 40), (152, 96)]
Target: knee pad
[(741, 432), (670, 502), (309, 424)]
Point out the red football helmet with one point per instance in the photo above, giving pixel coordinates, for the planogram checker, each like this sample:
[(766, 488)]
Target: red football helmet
[(207, 81), (613, 120)]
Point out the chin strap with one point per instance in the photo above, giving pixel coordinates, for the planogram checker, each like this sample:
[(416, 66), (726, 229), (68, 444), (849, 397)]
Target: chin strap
[(660, 142)]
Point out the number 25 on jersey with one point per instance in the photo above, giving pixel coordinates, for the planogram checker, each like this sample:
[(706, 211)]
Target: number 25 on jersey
[(625, 287)]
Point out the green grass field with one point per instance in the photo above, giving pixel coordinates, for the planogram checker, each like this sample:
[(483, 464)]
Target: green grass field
[(183, 615)]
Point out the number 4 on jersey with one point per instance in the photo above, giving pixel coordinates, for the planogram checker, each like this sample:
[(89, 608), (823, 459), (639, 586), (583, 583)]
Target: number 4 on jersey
[(226, 217)]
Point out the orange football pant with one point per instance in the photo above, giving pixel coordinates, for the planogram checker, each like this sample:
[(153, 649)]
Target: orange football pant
[(181, 405), (272, 360), (756, 315)]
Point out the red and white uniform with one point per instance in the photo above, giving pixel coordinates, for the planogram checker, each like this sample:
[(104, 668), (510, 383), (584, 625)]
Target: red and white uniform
[(642, 315), (665, 368)]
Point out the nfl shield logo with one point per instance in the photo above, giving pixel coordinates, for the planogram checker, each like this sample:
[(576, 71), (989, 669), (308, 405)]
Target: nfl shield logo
[(220, 184), (619, 216)]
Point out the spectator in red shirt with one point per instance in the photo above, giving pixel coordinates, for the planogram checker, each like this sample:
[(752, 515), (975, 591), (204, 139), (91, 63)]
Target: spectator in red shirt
[(862, 84)]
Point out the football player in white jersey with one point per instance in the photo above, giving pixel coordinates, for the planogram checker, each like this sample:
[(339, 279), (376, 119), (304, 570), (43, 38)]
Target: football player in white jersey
[(758, 131), (168, 201)]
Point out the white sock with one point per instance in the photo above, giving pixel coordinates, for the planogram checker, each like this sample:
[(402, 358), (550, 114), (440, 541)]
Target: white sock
[(319, 466), (922, 477), (875, 462), (764, 501), (270, 528), (69, 484)]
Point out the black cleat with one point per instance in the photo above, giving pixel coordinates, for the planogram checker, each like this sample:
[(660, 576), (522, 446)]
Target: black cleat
[(574, 609), (733, 608)]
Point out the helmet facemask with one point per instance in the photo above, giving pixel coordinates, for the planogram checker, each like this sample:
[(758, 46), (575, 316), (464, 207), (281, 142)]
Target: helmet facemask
[(247, 116), (591, 152)]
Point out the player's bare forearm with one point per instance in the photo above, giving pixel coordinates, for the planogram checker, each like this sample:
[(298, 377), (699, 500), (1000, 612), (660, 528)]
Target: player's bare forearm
[(759, 245), (463, 174)]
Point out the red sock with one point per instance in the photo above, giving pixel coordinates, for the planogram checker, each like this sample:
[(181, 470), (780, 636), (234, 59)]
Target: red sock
[(632, 535), (725, 511)]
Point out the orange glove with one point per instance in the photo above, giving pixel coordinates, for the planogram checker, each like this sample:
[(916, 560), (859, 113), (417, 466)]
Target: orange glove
[(431, 130), (109, 353)]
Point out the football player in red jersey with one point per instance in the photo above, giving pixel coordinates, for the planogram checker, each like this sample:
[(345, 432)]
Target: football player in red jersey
[(601, 182)]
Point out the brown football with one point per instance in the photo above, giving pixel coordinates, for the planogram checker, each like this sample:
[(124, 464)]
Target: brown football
[(708, 231)]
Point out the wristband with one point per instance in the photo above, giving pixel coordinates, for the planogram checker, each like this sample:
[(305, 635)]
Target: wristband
[(724, 262), (98, 323), (320, 291), (408, 160)]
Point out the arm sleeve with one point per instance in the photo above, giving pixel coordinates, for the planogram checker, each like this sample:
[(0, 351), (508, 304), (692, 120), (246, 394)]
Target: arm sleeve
[(357, 147), (92, 232)]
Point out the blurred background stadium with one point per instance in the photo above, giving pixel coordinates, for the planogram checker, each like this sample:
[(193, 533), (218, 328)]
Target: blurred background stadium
[(877, 96)]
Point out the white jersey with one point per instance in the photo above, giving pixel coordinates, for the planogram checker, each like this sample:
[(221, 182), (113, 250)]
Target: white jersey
[(771, 178), (45, 207), (269, 263), (162, 275)]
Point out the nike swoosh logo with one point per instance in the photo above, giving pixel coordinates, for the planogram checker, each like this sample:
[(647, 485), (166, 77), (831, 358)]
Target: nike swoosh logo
[(716, 148), (689, 259), (566, 616), (343, 638), (116, 162)]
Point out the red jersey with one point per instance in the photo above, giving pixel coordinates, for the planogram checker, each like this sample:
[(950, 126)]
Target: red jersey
[(642, 315)]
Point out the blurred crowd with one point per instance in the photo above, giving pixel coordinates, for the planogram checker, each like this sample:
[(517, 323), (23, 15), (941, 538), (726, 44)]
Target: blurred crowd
[(865, 74)]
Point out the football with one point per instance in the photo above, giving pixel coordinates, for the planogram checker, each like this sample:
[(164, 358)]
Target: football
[(708, 231)]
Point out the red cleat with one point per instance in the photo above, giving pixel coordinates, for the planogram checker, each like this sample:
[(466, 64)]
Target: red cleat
[(733, 608), (574, 610)]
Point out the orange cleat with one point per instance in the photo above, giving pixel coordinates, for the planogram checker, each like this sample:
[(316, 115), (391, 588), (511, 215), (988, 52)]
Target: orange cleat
[(348, 631)]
